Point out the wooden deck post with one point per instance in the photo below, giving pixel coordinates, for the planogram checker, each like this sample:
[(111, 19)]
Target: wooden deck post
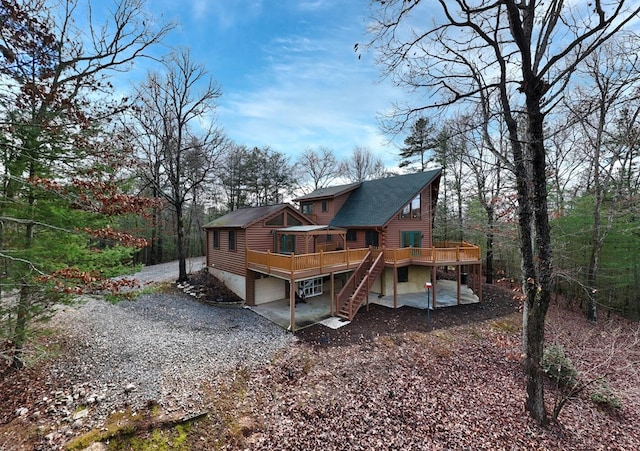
[(480, 280), (395, 279), (292, 304), (331, 298), (458, 273), (268, 261), (433, 283)]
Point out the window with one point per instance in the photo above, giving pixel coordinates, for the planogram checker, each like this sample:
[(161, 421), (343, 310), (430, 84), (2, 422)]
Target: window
[(324, 205), (412, 209), (232, 240), (403, 274), (411, 239), (307, 208), (276, 221), (311, 287), (216, 239), (291, 221), (329, 238), (352, 235)]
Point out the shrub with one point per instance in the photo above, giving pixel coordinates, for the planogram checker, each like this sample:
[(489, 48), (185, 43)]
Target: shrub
[(604, 396), (559, 367)]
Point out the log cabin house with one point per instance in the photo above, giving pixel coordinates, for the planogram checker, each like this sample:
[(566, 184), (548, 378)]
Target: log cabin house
[(349, 240)]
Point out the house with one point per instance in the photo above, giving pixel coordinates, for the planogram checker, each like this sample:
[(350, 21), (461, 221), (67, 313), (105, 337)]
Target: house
[(349, 240)]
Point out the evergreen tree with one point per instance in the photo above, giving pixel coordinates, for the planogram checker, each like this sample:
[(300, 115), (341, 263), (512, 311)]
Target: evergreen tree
[(61, 181), (417, 145)]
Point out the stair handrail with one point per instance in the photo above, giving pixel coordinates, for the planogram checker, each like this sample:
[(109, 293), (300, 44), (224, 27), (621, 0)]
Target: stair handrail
[(341, 298), (363, 283)]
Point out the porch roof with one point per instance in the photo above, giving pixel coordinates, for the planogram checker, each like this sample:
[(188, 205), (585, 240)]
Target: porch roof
[(311, 230)]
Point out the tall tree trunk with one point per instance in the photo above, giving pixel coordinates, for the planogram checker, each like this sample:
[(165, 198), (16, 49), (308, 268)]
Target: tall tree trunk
[(24, 297), (22, 322), (180, 244), (538, 296), (489, 236)]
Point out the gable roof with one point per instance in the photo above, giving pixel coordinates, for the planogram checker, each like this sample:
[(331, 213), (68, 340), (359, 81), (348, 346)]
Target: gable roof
[(244, 217), (375, 202), (330, 191)]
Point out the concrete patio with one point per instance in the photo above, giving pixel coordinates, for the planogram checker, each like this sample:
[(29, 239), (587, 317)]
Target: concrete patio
[(317, 309)]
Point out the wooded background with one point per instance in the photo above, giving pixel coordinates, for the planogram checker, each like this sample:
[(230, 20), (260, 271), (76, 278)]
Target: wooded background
[(538, 141)]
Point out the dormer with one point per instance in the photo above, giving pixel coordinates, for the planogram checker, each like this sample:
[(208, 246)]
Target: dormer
[(321, 205)]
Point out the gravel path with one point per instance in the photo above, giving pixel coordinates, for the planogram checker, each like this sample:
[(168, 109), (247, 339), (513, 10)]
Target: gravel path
[(159, 347)]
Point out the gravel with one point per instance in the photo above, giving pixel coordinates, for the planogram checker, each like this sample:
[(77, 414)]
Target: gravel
[(159, 347)]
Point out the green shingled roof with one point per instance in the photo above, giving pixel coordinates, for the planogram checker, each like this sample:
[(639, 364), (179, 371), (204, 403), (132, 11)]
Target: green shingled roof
[(375, 202)]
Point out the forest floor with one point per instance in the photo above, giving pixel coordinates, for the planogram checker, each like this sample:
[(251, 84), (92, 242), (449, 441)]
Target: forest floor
[(388, 380)]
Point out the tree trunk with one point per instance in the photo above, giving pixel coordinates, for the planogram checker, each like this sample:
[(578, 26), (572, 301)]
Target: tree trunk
[(489, 237), (534, 338), (22, 322), (538, 294), (180, 245)]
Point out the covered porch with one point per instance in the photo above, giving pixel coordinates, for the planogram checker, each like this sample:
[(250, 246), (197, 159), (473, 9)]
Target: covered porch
[(317, 309)]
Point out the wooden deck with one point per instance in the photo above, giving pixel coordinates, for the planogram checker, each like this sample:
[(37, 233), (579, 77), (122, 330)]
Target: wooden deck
[(292, 266)]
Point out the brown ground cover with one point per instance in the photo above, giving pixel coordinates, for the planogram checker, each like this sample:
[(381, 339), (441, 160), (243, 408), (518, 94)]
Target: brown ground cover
[(393, 380)]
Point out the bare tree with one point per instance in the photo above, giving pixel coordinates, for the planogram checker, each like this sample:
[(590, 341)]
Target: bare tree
[(516, 49), (320, 167), (486, 173), (181, 152), (362, 165)]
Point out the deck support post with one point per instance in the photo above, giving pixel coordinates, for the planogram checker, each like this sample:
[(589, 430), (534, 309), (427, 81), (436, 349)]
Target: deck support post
[(333, 293), (433, 283), (292, 305), (395, 279), (458, 274), (480, 281)]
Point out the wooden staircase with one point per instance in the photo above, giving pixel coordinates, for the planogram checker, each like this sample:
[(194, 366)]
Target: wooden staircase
[(356, 291)]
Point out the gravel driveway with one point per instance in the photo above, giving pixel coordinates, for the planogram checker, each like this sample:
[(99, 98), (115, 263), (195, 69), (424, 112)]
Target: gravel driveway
[(159, 347)]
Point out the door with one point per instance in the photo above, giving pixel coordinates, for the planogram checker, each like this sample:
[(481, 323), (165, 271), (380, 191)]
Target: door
[(287, 244), (371, 238), (412, 239)]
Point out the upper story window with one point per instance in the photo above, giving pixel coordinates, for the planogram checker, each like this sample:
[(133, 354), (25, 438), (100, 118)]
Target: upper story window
[(216, 239), (307, 208), (412, 209), (324, 206)]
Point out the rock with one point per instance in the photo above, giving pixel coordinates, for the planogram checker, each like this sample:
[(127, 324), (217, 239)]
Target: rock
[(21, 411), (97, 446), (129, 388), (80, 414)]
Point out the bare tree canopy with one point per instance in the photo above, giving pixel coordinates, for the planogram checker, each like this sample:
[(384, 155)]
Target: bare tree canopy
[(319, 167), (362, 165)]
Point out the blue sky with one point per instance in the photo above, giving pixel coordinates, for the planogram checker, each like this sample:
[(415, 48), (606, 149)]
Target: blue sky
[(289, 75)]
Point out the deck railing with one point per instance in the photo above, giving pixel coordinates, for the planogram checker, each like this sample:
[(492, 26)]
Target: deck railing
[(302, 262), (450, 252)]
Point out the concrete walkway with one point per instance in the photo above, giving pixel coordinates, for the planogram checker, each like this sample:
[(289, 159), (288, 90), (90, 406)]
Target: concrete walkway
[(316, 309)]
